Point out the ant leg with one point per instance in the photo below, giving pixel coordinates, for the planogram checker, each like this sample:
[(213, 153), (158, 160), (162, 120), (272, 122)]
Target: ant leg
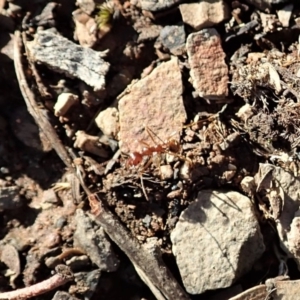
[(151, 133), (143, 188), (148, 163)]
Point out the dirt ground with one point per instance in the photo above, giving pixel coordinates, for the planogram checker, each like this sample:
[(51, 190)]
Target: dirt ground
[(47, 174)]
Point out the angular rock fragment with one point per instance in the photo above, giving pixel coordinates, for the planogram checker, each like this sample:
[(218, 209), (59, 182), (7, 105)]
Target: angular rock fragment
[(216, 240), (209, 71), (64, 102), (156, 102), (90, 143), (285, 14), (64, 56), (204, 14), (108, 121)]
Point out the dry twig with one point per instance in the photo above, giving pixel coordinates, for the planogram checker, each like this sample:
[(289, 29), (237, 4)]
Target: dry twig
[(34, 110)]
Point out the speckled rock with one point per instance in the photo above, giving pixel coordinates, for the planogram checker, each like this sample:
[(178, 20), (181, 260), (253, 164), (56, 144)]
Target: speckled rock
[(204, 14), (173, 38), (216, 240), (209, 71), (156, 102)]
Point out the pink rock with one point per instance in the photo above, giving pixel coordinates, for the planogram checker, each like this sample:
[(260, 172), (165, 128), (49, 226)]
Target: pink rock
[(204, 14), (154, 102), (209, 71)]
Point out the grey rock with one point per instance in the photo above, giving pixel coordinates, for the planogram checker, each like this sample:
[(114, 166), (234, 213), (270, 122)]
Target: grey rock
[(64, 56), (173, 38), (216, 240), (156, 5), (88, 282), (92, 239), (263, 4)]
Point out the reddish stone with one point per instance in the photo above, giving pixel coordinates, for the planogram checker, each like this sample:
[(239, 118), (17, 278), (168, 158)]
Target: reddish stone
[(209, 71)]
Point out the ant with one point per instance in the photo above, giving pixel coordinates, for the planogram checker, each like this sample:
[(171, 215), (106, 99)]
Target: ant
[(169, 147)]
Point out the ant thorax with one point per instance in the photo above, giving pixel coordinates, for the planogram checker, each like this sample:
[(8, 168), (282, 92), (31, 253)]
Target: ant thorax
[(135, 159)]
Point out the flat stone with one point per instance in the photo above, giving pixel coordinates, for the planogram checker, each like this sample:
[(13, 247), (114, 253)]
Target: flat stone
[(204, 14), (209, 71), (64, 56), (173, 38), (216, 240), (154, 102)]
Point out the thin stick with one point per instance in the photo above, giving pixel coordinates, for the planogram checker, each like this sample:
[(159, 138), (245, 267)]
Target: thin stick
[(63, 276)]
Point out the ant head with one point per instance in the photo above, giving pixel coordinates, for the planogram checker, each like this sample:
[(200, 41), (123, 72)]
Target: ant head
[(174, 146)]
